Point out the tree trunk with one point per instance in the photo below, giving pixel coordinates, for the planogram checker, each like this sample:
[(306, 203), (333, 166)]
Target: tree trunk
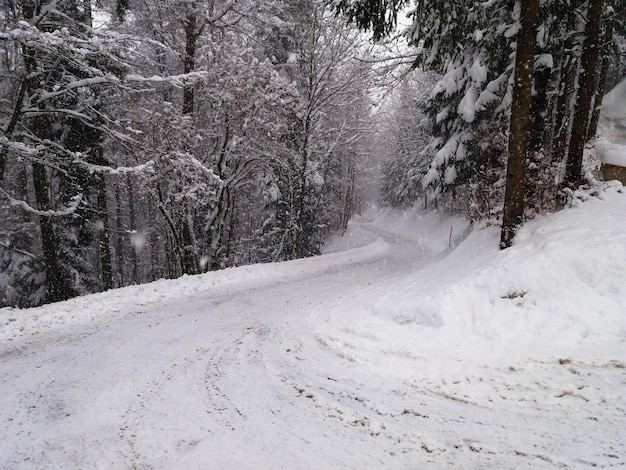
[(57, 285), (348, 202), (189, 62), (568, 68), (156, 261), (189, 262), (57, 288), (539, 109), (604, 73), (216, 226), (105, 242), (520, 108), (231, 225), (537, 176), (189, 259), (8, 133), (580, 125), (86, 17), (298, 249), (134, 252), (119, 238)]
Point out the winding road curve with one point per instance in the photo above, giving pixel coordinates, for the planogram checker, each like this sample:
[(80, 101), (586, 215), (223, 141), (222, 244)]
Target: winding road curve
[(240, 381)]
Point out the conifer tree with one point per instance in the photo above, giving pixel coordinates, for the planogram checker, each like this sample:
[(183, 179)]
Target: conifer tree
[(518, 135)]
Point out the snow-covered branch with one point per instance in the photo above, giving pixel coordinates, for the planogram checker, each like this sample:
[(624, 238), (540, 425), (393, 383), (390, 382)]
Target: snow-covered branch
[(69, 210)]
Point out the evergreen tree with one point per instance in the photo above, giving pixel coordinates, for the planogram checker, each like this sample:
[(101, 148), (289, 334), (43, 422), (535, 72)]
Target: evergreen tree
[(469, 43), (56, 124), (399, 136), (59, 126)]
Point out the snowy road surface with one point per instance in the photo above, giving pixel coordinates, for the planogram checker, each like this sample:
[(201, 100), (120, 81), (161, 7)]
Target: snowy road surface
[(254, 373)]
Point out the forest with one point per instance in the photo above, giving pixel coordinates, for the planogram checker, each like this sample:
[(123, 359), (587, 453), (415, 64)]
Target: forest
[(149, 139)]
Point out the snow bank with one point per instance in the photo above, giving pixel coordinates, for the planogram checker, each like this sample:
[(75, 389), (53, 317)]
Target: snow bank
[(19, 323), (559, 292), (613, 154), (368, 239)]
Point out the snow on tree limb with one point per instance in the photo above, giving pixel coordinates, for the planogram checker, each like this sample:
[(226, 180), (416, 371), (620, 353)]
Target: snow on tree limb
[(69, 210)]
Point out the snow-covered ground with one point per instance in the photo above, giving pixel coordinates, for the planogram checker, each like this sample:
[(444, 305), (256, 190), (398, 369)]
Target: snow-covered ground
[(393, 350)]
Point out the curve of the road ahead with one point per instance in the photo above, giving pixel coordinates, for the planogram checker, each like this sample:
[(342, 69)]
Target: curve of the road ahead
[(217, 381), (239, 380)]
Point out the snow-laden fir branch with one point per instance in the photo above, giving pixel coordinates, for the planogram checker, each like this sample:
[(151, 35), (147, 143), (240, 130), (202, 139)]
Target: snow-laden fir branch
[(21, 252)]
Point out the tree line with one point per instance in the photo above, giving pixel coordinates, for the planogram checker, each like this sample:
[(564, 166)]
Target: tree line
[(518, 95), (143, 139)]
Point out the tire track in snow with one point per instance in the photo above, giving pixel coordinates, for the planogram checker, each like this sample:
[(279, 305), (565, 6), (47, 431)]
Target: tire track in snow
[(212, 378)]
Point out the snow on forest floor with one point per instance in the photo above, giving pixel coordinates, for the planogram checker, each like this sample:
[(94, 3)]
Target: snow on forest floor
[(391, 351)]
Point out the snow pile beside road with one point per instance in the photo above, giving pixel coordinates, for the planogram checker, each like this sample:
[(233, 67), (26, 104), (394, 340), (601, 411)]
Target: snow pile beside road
[(559, 292), (17, 323)]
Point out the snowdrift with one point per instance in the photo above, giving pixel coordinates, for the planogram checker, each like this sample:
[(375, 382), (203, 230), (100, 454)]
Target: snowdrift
[(559, 292)]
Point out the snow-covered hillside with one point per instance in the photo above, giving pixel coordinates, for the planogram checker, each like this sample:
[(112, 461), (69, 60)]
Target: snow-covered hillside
[(392, 350)]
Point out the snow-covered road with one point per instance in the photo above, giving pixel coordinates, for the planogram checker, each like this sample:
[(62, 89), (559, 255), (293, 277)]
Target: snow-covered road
[(214, 378), (247, 376)]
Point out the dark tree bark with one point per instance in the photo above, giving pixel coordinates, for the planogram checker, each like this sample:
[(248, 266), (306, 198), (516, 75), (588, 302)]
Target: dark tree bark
[(189, 62), (178, 252), (568, 68), (348, 199), (15, 117), (57, 287), (537, 178), (604, 73), (298, 247), (520, 109), (133, 224), (586, 79), (106, 268), (189, 262), (539, 109), (119, 237), (217, 227)]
